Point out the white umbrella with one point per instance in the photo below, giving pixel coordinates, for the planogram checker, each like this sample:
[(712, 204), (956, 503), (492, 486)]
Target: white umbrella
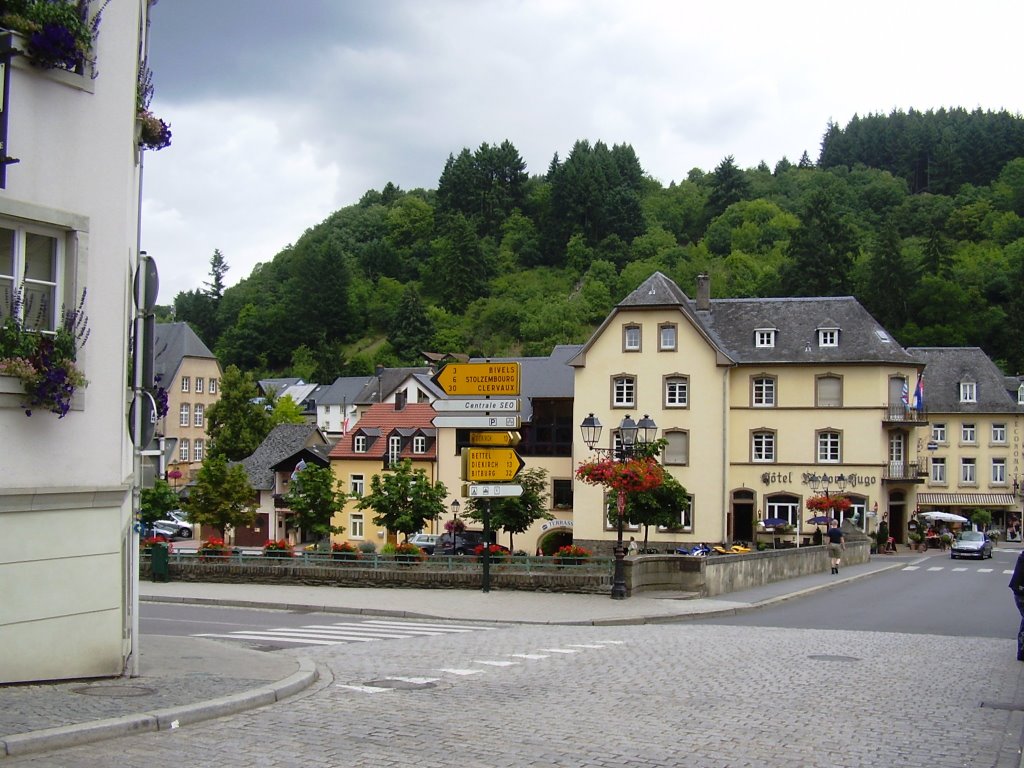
[(948, 517)]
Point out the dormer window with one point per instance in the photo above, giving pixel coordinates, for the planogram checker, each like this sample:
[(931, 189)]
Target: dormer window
[(419, 444), (968, 392), (764, 338), (1020, 395), (359, 444), (828, 337)]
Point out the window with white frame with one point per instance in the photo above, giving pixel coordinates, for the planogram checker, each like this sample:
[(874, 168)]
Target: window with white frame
[(199, 385), (1020, 395), (197, 450), (624, 392), (184, 412), (828, 337), (185, 383), (938, 471), (968, 473), (631, 338), (999, 434), (998, 471), (666, 337), (183, 447), (327, 409), (829, 447), (683, 517), (394, 449), (764, 338), (197, 413), (762, 446), (763, 392), (359, 444), (356, 485), (829, 391), (968, 392), (213, 386), (677, 391), (419, 444), (939, 432), (677, 447), (968, 434), (356, 521), (32, 264), (782, 506)]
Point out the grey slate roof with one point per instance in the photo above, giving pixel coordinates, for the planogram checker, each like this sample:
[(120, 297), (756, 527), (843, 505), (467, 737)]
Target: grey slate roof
[(545, 378), (174, 342), (730, 325), (376, 391), (277, 385), (344, 389), (947, 367), (284, 440)]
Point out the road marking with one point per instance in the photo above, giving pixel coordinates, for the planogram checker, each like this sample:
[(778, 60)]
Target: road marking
[(937, 568), (985, 570), (530, 655), (496, 663), (416, 680), (559, 650), (339, 633), (266, 638), (911, 568), (365, 688), (961, 568), (584, 645), (462, 672)]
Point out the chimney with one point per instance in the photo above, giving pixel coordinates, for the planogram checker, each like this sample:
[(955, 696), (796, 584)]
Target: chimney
[(703, 292), (401, 398)]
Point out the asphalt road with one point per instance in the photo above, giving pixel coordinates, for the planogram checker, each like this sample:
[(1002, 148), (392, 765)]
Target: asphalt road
[(957, 598)]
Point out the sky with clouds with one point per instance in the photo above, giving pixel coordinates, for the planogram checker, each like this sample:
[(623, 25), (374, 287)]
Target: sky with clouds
[(283, 111)]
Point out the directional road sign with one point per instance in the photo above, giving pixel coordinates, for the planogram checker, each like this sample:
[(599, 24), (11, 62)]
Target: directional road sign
[(478, 405), (479, 379), (478, 422), (496, 465), (479, 490), (496, 439)]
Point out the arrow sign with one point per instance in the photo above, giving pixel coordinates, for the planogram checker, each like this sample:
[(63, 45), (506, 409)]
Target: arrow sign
[(469, 379), (495, 465), (494, 438), (478, 422), (492, 491), (477, 405)]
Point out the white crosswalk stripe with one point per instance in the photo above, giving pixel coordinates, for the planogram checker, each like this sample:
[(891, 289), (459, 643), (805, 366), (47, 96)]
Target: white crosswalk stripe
[(958, 569), (339, 633)]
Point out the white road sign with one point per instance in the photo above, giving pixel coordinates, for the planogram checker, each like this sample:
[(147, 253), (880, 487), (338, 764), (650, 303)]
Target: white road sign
[(480, 490), (478, 422), (477, 405)]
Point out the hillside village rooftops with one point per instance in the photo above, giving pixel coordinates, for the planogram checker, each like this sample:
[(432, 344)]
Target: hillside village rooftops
[(384, 419), (174, 342)]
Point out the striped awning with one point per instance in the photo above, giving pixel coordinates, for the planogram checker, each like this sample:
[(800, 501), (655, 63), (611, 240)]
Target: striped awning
[(968, 499)]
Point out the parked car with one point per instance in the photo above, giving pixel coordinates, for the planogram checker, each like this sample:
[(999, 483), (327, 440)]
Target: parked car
[(176, 523), (425, 541), (971, 544), (464, 543)]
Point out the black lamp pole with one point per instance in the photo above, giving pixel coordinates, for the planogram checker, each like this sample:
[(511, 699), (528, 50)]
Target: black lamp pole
[(631, 435)]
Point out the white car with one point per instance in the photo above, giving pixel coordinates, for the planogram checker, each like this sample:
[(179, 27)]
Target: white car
[(425, 541), (176, 524)]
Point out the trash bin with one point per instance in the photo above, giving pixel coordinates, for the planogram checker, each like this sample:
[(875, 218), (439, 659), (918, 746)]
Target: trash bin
[(159, 562)]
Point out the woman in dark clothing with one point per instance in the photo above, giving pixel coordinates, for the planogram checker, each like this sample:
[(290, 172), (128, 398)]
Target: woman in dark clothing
[(1017, 585)]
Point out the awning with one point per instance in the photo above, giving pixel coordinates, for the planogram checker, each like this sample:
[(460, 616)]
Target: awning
[(968, 499)]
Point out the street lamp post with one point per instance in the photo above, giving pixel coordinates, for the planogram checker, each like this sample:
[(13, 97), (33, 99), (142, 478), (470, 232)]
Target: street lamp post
[(823, 481), (633, 436), (456, 506)]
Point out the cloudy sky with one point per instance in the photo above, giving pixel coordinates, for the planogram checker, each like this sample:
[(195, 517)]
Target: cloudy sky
[(283, 111)]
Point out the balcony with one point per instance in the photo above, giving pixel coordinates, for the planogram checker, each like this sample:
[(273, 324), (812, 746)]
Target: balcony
[(905, 471), (902, 414)]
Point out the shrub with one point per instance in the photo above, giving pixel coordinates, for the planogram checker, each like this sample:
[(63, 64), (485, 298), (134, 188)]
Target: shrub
[(278, 548), (367, 547), (213, 548), (573, 551), (345, 550), (494, 552)]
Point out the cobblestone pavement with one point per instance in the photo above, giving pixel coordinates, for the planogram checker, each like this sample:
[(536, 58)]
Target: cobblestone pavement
[(654, 695)]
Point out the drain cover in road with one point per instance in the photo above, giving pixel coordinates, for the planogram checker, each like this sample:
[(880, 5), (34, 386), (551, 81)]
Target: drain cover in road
[(115, 690)]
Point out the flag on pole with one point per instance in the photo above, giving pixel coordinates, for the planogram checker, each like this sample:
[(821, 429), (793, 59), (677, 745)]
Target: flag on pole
[(919, 394), (905, 395), (298, 468)]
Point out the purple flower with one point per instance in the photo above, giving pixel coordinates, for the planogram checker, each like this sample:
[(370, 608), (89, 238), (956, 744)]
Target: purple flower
[(55, 46)]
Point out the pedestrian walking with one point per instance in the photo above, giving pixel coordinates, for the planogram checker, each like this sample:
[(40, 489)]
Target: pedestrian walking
[(632, 549), (1017, 585), (836, 544)]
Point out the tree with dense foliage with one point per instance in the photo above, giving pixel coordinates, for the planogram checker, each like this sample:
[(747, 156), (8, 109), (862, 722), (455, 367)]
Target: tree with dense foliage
[(314, 497), (515, 514), (156, 502), (237, 423), (821, 250), (221, 497), (411, 329), (404, 500), (728, 185), (661, 506), (285, 411)]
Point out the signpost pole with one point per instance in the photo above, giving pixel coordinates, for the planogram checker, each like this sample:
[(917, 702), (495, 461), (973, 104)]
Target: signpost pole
[(486, 581)]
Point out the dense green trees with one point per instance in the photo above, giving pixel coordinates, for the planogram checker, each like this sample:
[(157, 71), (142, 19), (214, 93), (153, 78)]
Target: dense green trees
[(404, 499), (314, 497), (919, 214), (236, 423)]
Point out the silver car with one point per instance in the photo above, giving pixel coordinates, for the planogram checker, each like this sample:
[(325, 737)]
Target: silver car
[(176, 524), (971, 544)]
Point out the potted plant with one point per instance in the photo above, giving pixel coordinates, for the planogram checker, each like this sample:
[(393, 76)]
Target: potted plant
[(149, 542), (917, 538), (58, 34), (213, 548), (278, 548), (572, 554), (495, 553), (404, 553), (344, 550), (43, 362)]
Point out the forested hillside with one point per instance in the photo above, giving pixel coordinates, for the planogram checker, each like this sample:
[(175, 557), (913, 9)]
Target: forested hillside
[(919, 215)]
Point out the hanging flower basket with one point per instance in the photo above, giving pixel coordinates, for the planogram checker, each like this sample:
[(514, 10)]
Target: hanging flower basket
[(630, 476)]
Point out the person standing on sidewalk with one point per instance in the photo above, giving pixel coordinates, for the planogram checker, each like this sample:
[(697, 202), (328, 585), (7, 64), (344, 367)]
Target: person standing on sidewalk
[(836, 544), (1017, 585)]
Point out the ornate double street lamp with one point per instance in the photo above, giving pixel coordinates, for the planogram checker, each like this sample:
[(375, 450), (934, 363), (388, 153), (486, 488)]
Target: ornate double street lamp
[(633, 438)]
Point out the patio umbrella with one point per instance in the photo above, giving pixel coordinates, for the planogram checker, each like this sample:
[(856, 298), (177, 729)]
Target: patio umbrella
[(819, 520), (771, 522), (947, 517)]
